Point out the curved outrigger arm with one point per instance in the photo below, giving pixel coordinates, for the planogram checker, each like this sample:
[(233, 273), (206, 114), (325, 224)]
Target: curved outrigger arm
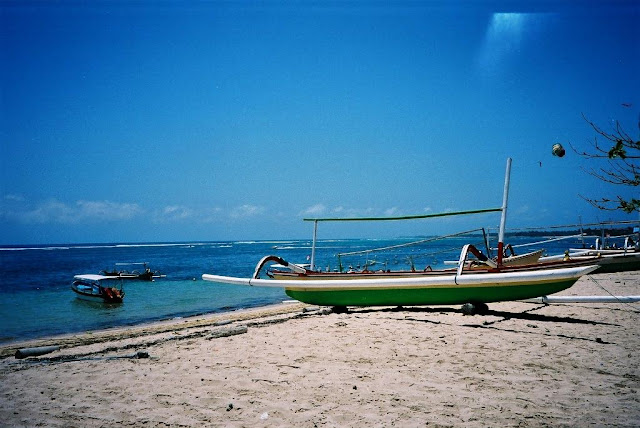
[(469, 248), (266, 259)]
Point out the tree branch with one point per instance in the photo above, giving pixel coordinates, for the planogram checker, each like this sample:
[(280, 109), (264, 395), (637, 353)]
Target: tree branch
[(622, 169)]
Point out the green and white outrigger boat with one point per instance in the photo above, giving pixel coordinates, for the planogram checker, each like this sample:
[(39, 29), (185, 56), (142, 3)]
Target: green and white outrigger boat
[(445, 287), (432, 288)]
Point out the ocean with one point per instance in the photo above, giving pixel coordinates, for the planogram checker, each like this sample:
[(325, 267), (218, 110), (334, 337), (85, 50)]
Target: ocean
[(37, 301)]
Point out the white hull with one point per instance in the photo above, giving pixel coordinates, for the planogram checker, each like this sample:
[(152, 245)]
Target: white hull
[(428, 280)]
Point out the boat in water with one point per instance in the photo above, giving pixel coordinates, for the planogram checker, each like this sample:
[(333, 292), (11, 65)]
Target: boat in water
[(144, 274), (98, 288)]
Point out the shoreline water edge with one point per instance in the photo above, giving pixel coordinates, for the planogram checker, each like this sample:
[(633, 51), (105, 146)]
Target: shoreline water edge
[(39, 302), (521, 364)]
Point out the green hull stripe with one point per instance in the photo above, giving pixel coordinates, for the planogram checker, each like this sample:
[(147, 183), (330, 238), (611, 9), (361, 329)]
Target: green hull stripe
[(426, 296)]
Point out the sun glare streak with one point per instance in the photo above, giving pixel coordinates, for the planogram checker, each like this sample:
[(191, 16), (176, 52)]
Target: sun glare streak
[(507, 35), (504, 36)]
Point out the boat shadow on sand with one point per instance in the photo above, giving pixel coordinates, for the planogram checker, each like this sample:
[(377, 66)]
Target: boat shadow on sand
[(493, 324), (526, 315)]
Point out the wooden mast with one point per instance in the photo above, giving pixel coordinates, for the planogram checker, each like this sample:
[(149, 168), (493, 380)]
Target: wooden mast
[(503, 218)]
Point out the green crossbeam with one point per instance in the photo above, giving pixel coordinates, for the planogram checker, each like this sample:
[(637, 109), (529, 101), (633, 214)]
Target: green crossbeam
[(406, 217)]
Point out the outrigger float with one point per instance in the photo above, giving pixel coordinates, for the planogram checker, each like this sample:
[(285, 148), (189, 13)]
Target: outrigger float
[(494, 283)]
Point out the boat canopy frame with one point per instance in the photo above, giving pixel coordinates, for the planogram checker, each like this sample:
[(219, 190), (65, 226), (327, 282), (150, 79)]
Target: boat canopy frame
[(502, 209)]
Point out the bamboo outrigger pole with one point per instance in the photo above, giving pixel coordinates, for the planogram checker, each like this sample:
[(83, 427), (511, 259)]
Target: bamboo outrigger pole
[(584, 299)]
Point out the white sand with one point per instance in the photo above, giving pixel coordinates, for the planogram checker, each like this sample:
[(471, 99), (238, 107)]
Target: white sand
[(522, 364)]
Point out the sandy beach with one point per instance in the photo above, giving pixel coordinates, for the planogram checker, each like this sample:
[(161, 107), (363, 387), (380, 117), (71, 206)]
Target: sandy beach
[(522, 364)]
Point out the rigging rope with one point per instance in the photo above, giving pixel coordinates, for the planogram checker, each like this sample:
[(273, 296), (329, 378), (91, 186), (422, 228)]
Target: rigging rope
[(408, 244), (609, 293), (604, 223), (546, 241)]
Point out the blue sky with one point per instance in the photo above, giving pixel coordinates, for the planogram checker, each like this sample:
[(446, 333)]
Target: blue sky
[(130, 121)]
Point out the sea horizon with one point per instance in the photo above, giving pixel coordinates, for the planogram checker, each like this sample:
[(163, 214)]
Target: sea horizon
[(618, 227)]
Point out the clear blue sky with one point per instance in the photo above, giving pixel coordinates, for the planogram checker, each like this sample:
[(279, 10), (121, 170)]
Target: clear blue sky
[(175, 121)]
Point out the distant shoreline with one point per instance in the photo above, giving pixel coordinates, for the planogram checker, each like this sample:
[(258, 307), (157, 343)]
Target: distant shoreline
[(589, 232)]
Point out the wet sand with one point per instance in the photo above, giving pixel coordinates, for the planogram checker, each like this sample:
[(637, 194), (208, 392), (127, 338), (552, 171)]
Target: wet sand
[(522, 364)]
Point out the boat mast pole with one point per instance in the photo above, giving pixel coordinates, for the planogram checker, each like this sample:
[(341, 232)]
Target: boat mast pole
[(503, 218), (313, 245)]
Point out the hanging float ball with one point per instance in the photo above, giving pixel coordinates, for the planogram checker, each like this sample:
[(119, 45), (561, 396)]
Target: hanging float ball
[(558, 150)]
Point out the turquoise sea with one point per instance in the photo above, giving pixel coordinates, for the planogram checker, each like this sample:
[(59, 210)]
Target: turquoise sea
[(37, 301)]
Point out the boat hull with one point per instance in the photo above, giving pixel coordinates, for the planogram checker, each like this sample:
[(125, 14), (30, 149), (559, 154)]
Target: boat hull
[(619, 263), (97, 298), (114, 298), (440, 289), (620, 266), (426, 295)]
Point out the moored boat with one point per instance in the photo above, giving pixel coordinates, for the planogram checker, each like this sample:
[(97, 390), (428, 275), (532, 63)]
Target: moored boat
[(98, 288), (610, 261), (616, 246), (146, 274)]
